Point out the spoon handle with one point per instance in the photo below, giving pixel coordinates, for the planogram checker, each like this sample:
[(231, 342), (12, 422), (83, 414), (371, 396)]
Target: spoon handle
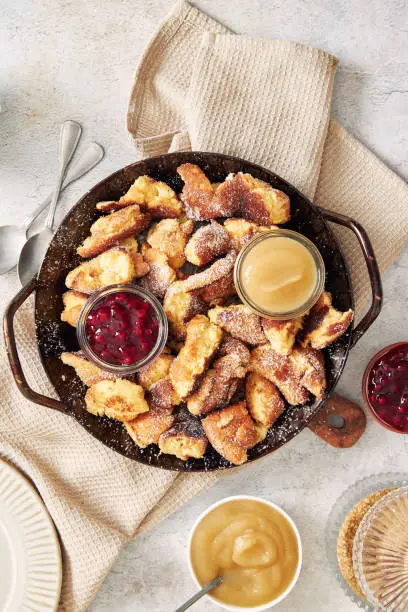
[(69, 137), (90, 157), (208, 587)]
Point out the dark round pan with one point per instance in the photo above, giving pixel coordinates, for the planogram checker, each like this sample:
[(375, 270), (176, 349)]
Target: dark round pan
[(54, 337)]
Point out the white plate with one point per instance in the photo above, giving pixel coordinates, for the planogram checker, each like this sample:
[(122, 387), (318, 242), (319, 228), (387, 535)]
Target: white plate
[(30, 556)]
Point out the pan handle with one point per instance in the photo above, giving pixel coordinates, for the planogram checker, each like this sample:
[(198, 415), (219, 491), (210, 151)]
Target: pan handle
[(12, 353), (372, 266)]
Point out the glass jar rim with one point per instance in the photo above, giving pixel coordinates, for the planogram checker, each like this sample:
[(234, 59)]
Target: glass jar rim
[(122, 369), (320, 280)]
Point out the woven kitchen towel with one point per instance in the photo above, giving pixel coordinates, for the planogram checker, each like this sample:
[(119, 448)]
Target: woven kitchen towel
[(97, 498), (197, 86), (201, 87)]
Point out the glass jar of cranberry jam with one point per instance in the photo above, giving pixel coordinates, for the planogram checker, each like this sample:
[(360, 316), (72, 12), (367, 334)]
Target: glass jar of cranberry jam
[(385, 387), (122, 328)]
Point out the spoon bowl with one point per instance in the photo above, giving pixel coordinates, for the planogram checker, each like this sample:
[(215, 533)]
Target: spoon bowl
[(32, 255), (12, 239)]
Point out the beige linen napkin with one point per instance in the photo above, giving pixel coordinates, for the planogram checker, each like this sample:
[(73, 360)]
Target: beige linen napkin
[(197, 85), (201, 87)]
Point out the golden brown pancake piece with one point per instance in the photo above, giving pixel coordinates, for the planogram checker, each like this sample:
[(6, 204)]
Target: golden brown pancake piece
[(231, 431), (281, 334), (239, 321), (170, 236), (185, 439), (207, 243), (280, 370), (87, 371), (180, 308), (108, 231), (193, 359), (73, 302), (154, 197), (263, 399), (324, 324), (110, 268), (117, 399)]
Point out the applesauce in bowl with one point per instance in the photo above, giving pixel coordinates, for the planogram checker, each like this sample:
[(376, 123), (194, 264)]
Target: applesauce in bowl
[(254, 545)]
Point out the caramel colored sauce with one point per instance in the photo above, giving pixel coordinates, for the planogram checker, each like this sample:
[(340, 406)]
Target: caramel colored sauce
[(279, 274), (253, 547)]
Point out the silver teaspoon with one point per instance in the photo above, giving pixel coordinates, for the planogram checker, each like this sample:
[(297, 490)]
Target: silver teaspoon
[(34, 249), (206, 589), (13, 237)]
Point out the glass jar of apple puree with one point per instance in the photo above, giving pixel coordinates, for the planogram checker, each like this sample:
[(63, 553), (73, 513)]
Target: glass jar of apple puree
[(279, 274)]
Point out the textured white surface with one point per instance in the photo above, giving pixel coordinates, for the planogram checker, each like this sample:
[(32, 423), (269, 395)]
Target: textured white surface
[(76, 60)]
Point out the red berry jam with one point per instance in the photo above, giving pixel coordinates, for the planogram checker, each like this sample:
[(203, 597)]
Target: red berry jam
[(122, 328), (387, 388)]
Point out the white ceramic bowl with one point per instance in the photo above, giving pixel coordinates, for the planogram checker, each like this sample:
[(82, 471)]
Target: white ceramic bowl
[(272, 603)]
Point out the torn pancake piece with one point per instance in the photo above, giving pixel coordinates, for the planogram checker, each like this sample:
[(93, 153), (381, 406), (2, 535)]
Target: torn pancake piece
[(220, 382), (202, 341), (109, 268), (280, 370), (264, 402), (87, 371), (117, 399), (109, 230), (324, 324), (147, 428), (180, 308), (239, 321), (185, 439), (170, 236), (231, 431), (154, 197), (73, 302), (281, 334), (207, 243)]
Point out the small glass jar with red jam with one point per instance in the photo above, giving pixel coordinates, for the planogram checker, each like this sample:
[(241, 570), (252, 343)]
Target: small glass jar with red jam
[(122, 328), (385, 387)]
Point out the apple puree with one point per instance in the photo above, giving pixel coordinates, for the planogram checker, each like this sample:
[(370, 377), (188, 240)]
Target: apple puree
[(254, 548)]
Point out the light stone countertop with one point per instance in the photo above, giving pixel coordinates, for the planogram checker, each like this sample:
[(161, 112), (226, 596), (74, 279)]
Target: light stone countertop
[(60, 59)]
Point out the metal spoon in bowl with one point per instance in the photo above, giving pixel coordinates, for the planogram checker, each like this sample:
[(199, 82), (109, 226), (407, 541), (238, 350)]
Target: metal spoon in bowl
[(34, 249), (13, 237), (206, 589)]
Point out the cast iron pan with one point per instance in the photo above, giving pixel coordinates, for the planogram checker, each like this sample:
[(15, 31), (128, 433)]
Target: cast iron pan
[(54, 336)]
